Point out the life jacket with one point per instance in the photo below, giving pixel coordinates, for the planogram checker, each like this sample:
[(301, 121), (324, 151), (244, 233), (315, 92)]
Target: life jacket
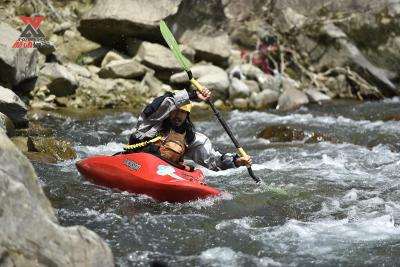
[(173, 146)]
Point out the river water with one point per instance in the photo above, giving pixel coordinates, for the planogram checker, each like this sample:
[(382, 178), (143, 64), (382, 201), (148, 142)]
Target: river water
[(321, 204)]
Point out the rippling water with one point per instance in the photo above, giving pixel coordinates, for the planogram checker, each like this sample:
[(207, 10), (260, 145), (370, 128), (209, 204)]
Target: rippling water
[(323, 204)]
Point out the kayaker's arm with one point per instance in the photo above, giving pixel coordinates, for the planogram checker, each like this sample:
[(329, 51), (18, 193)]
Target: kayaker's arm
[(202, 152)]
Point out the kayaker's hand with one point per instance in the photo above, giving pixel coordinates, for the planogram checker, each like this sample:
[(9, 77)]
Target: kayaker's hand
[(244, 161), (204, 95)]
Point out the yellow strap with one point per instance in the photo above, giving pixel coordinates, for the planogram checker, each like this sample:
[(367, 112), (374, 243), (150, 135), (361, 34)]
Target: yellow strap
[(142, 144)]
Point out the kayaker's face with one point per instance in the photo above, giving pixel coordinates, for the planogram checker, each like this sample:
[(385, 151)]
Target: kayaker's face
[(177, 117)]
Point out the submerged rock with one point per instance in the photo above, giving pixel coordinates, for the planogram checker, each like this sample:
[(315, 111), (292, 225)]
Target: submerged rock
[(31, 235), (284, 133), (61, 150)]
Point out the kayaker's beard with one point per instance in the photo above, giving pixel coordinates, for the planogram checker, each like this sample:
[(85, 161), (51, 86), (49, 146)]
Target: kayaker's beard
[(177, 118)]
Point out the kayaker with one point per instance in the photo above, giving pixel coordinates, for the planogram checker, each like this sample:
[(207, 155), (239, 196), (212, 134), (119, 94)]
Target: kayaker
[(164, 127)]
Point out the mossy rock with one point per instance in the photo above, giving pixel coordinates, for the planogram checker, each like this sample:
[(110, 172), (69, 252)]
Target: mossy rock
[(61, 150), (284, 133)]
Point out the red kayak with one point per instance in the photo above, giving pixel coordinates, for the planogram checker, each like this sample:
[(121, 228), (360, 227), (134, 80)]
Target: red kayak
[(144, 173)]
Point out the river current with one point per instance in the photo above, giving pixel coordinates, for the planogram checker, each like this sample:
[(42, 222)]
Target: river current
[(320, 204)]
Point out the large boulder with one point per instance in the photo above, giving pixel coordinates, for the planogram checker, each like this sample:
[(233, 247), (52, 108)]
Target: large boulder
[(215, 49), (155, 56), (292, 99), (112, 22), (218, 83), (16, 64), (59, 80), (12, 106), (30, 234), (125, 68)]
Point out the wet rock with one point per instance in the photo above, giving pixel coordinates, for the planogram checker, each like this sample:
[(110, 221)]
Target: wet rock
[(107, 21), (238, 89), (61, 150), (291, 99), (12, 106), (16, 65), (197, 72), (215, 49), (111, 56), (31, 235), (58, 79), (284, 133), (315, 96), (6, 125), (157, 57), (264, 100), (125, 68)]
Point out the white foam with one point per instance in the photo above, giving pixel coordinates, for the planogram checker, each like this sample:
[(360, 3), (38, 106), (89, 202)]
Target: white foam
[(109, 148)]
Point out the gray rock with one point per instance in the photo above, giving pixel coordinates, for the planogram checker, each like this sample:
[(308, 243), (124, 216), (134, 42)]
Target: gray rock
[(264, 100), (215, 49), (288, 19), (111, 56), (269, 82), (94, 56), (240, 103), (349, 54), (16, 64), (78, 70), (253, 86), (6, 125), (252, 72), (315, 96), (12, 106), (292, 99), (218, 83), (59, 80), (30, 233), (197, 72), (125, 68), (108, 21), (156, 87), (157, 57), (238, 89)]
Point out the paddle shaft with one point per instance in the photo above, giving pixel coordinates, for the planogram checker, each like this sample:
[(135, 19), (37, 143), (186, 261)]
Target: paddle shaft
[(242, 153)]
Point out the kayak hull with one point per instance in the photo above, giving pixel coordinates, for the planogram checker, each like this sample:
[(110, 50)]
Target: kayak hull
[(143, 173)]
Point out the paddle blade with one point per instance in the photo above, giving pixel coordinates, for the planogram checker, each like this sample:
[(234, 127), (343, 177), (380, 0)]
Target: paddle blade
[(170, 40)]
